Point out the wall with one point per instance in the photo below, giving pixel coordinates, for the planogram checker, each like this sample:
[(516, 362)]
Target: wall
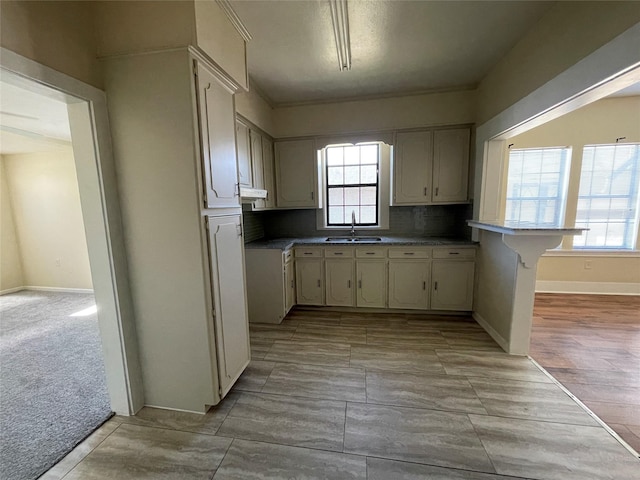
[(447, 108), (46, 205), (567, 33), (252, 106), (599, 122), (11, 276), (60, 36)]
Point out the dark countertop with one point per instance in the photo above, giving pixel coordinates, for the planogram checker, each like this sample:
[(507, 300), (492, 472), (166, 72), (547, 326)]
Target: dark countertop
[(286, 243), (524, 228)]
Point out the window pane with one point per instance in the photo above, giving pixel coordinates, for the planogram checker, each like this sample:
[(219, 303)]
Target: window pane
[(536, 185), (368, 196), (608, 196), (369, 174), (335, 175), (336, 214), (352, 175), (334, 156), (367, 214), (352, 155), (369, 154), (336, 196), (352, 196)]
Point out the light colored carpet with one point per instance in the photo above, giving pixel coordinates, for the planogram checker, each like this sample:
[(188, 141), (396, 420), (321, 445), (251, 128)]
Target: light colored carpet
[(52, 380)]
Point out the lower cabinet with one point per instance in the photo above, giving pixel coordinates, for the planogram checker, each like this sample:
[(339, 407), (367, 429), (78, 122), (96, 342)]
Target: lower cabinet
[(452, 285), (408, 280), (309, 281), (230, 303), (270, 284), (372, 283), (339, 282)]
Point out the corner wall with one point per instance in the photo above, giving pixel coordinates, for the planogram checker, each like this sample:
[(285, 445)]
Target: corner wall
[(11, 276), (44, 194)]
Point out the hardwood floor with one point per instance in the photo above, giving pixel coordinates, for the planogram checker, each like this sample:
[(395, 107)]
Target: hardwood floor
[(591, 344)]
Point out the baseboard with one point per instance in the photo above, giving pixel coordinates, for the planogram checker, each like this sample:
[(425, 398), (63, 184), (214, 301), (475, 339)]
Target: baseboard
[(596, 288), (491, 331), (11, 290), (58, 289)]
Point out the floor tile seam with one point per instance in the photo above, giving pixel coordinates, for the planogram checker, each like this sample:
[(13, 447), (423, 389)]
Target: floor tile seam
[(305, 447), (464, 470), (280, 360), (601, 422), (299, 397), (87, 454), (174, 429), (215, 470), (479, 437), (413, 407), (227, 414), (491, 377), (306, 365)]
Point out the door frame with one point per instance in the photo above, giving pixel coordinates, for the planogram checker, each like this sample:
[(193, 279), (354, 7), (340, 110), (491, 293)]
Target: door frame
[(88, 118)]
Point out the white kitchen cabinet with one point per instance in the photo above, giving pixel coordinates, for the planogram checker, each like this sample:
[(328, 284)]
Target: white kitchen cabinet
[(245, 176), (309, 281), (452, 284), (450, 165), (339, 282), (269, 174), (270, 287), (178, 167), (257, 166), (289, 284), (230, 304), (296, 163), (412, 168), (372, 283), (217, 141), (408, 281)]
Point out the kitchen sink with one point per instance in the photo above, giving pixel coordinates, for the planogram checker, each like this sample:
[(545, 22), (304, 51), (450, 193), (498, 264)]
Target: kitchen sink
[(353, 239)]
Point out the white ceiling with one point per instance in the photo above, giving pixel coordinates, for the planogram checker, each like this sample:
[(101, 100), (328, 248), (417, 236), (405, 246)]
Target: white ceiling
[(397, 46), (30, 122)]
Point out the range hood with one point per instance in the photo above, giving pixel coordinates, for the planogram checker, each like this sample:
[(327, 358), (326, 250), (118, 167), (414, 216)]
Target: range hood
[(250, 194)]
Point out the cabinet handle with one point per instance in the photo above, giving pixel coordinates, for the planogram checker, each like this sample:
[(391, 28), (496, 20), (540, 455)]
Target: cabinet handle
[(436, 191), (308, 253), (359, 283), (312, 196), (291, 283), (424, 285), (425, 191), (348, 283), (370, 253), (318, 283), (435, 287), (338, 253), (454, 253), (409, 253)]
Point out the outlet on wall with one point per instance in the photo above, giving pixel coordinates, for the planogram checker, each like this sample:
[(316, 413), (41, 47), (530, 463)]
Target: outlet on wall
[(587, 264)]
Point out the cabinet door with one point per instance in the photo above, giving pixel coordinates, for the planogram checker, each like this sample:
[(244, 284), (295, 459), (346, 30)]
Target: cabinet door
[(229, 297), (452, 285), (408, 280), (372, 283), (257, 166), (309, 282), (289, 287), (268, 168), (339, 282), (244, 154), (412, 165), (450, 165), (218, 142), (296, 174)]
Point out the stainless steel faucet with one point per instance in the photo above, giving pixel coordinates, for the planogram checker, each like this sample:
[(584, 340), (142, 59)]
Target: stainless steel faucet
[(353, 223)]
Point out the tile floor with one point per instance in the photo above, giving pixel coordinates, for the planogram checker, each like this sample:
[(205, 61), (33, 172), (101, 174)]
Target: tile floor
[(363, 396)]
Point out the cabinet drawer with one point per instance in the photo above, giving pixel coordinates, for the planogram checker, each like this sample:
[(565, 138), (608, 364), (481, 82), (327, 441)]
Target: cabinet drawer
[(338, 252), (370, 252), (309, 252), (409, 252), (454, 253), (287, 256)]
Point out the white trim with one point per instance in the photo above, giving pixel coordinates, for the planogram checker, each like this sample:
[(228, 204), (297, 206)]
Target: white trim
[(491, 331), (233, 17), (58, 289), (11, 290), (595, 288)]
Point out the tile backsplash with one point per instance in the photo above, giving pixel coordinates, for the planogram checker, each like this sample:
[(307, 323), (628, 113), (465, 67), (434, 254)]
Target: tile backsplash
[(426, 220)]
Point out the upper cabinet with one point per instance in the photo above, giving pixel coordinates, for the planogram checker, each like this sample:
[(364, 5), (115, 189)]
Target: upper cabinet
[(269, 173), (431, 166), (450, 165), (296, 164), (244, 156), (218, 141)]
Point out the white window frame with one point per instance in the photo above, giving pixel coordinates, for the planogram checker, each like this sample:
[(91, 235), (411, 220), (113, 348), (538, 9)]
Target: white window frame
[(384, 189)]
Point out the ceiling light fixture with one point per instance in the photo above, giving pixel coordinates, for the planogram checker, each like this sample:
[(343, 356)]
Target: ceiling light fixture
[(340, 20)]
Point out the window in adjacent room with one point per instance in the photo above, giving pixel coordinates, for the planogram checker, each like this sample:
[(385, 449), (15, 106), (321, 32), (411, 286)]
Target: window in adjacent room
[(608, 196), (352, 183), (537, 184)]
